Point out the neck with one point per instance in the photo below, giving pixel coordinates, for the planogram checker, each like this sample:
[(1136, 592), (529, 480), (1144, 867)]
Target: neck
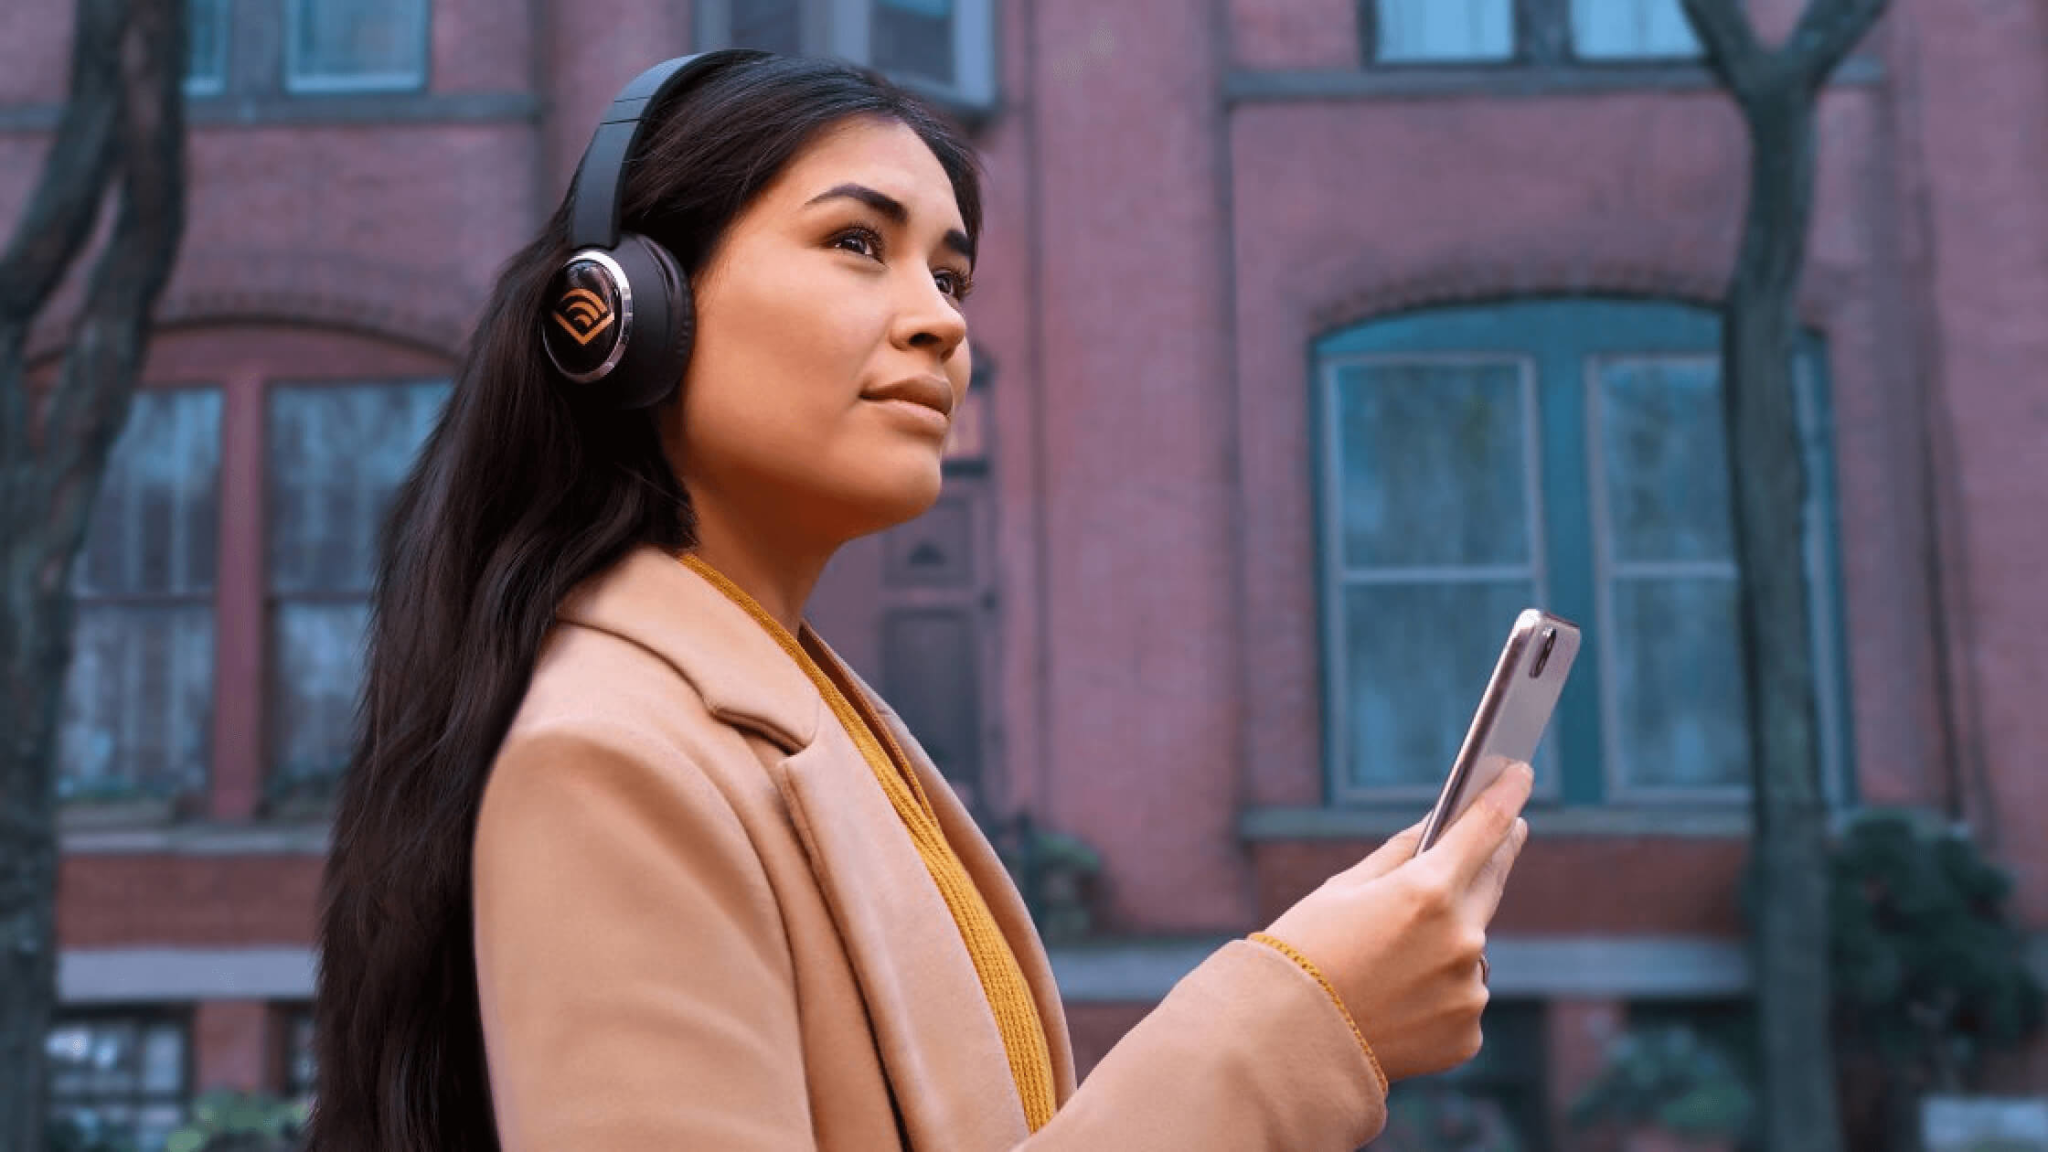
[(778, 572)]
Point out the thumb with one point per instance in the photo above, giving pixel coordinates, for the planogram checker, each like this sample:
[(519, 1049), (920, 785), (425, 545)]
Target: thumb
[(1473, 837)]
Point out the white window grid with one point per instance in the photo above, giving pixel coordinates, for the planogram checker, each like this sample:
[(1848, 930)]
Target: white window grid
[(1617, 784), (1339, 576)]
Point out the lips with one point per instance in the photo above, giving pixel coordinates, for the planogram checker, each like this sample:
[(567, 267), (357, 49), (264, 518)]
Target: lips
[(928, 391)]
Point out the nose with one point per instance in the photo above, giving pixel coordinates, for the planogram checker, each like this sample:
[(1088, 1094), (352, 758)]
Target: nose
[(927, 319)]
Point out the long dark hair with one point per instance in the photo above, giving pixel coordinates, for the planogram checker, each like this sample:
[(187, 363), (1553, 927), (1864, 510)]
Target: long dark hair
[(519, 494)]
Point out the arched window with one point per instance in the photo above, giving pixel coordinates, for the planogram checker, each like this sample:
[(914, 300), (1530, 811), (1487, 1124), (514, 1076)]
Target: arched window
[(1566, 453)]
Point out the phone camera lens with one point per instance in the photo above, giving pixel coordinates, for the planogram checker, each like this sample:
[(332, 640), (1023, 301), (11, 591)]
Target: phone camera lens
[(1543, 653)]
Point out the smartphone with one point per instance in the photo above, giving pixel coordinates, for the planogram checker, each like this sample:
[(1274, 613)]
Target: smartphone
[(1512, 713)]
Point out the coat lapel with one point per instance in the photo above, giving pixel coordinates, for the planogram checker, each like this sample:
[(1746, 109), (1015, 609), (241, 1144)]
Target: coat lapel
[(996, 886), (938, 1039)]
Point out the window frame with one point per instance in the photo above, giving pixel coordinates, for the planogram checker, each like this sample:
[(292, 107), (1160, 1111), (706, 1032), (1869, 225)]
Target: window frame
[(1337, 576), (215, 84), (293, 1017), (840, 28), (317, 84), (85, 601), (142, 1017), (1617, 785), (277, 787), (1544, 36), (1561, 333)]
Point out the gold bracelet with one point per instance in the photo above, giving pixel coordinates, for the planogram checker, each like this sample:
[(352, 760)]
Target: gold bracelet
[(1289, 951)]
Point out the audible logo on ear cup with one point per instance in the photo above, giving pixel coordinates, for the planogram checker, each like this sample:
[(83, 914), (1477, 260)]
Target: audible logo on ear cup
[(590, 315), (584, 313)]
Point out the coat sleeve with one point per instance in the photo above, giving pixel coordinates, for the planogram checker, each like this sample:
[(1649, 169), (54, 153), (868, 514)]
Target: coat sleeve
[(1247, 1052), (635, 981)]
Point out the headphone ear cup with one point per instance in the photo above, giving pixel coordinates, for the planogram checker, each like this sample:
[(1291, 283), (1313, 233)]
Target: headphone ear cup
[(663, 323)]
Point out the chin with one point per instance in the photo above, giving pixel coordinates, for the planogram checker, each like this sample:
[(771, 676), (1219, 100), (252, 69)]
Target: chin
[(900, 497), (916, 498)]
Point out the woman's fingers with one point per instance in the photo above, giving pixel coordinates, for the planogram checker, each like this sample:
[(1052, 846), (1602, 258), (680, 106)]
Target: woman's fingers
[(1484, 896), (1473, 838)]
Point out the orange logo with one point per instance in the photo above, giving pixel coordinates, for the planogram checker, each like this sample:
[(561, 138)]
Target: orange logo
[(583, 314)]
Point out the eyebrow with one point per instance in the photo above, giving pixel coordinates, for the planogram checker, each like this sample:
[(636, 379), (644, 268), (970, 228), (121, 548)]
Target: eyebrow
[(893, 208)]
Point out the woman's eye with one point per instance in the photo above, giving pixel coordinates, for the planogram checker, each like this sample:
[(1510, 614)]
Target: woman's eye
[(954, 284), (860, 240)]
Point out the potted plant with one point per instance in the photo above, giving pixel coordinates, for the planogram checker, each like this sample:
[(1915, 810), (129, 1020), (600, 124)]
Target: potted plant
[(1929, 973), (1057, 873), (1423, 1117), (1667, 1090), (230, 1121)]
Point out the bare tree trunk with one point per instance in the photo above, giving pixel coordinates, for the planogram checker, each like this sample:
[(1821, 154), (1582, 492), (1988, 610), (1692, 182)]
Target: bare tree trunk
[(1777, 91), (124, 118)]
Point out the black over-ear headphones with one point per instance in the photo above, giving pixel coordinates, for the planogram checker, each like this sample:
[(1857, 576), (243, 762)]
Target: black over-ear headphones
[(619, 317)]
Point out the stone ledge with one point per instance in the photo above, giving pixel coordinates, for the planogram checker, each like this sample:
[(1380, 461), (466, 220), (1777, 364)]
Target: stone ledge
[(311, 110), (197, 839), (1419, 82), (1121, 971), (1277, 823)]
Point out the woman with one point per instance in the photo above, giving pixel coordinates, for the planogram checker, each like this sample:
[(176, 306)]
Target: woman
[(627, 859)]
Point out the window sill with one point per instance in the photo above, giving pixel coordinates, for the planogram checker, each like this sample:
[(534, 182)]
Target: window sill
[(92, 815), (1729, 822), (413, 108), (1411, 81), (196, 839)]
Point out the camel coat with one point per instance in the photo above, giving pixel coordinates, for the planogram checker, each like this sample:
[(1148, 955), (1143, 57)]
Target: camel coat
[(699, 924)]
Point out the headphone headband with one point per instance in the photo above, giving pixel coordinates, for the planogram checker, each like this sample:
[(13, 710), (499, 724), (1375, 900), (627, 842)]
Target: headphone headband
[(594, 220)]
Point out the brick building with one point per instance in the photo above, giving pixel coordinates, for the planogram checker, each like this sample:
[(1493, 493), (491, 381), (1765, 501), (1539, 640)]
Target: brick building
[(1320, 335)]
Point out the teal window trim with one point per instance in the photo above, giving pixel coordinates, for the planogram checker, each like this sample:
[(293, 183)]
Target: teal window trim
[(1559, 334)]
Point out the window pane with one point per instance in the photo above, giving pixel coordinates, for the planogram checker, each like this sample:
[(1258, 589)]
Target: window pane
[(68, 1050), (336, 455), (156, 522), (1417, 657), (317, 661), (154, 1125), (138, 702), (1631, 29), (1436, 30), (163, 1059), (300, 1076), (1666, 460), (206, 45), (357, 43), (118, 1080), (914, 37), (776, 25), (1433, 465), (1678, 684), (116, 1058)]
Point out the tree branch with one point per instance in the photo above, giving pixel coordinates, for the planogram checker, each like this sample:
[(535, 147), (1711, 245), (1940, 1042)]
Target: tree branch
[(92, 399), (1827, 30), (1732, 51), (62, 209)]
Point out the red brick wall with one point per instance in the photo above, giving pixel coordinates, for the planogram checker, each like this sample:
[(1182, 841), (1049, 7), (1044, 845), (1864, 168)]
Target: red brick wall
[(231, 1041), (198, 901), (1605, 885)]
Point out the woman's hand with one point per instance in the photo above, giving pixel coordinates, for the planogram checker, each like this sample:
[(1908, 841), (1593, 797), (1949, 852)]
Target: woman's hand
[(1400, 936)]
